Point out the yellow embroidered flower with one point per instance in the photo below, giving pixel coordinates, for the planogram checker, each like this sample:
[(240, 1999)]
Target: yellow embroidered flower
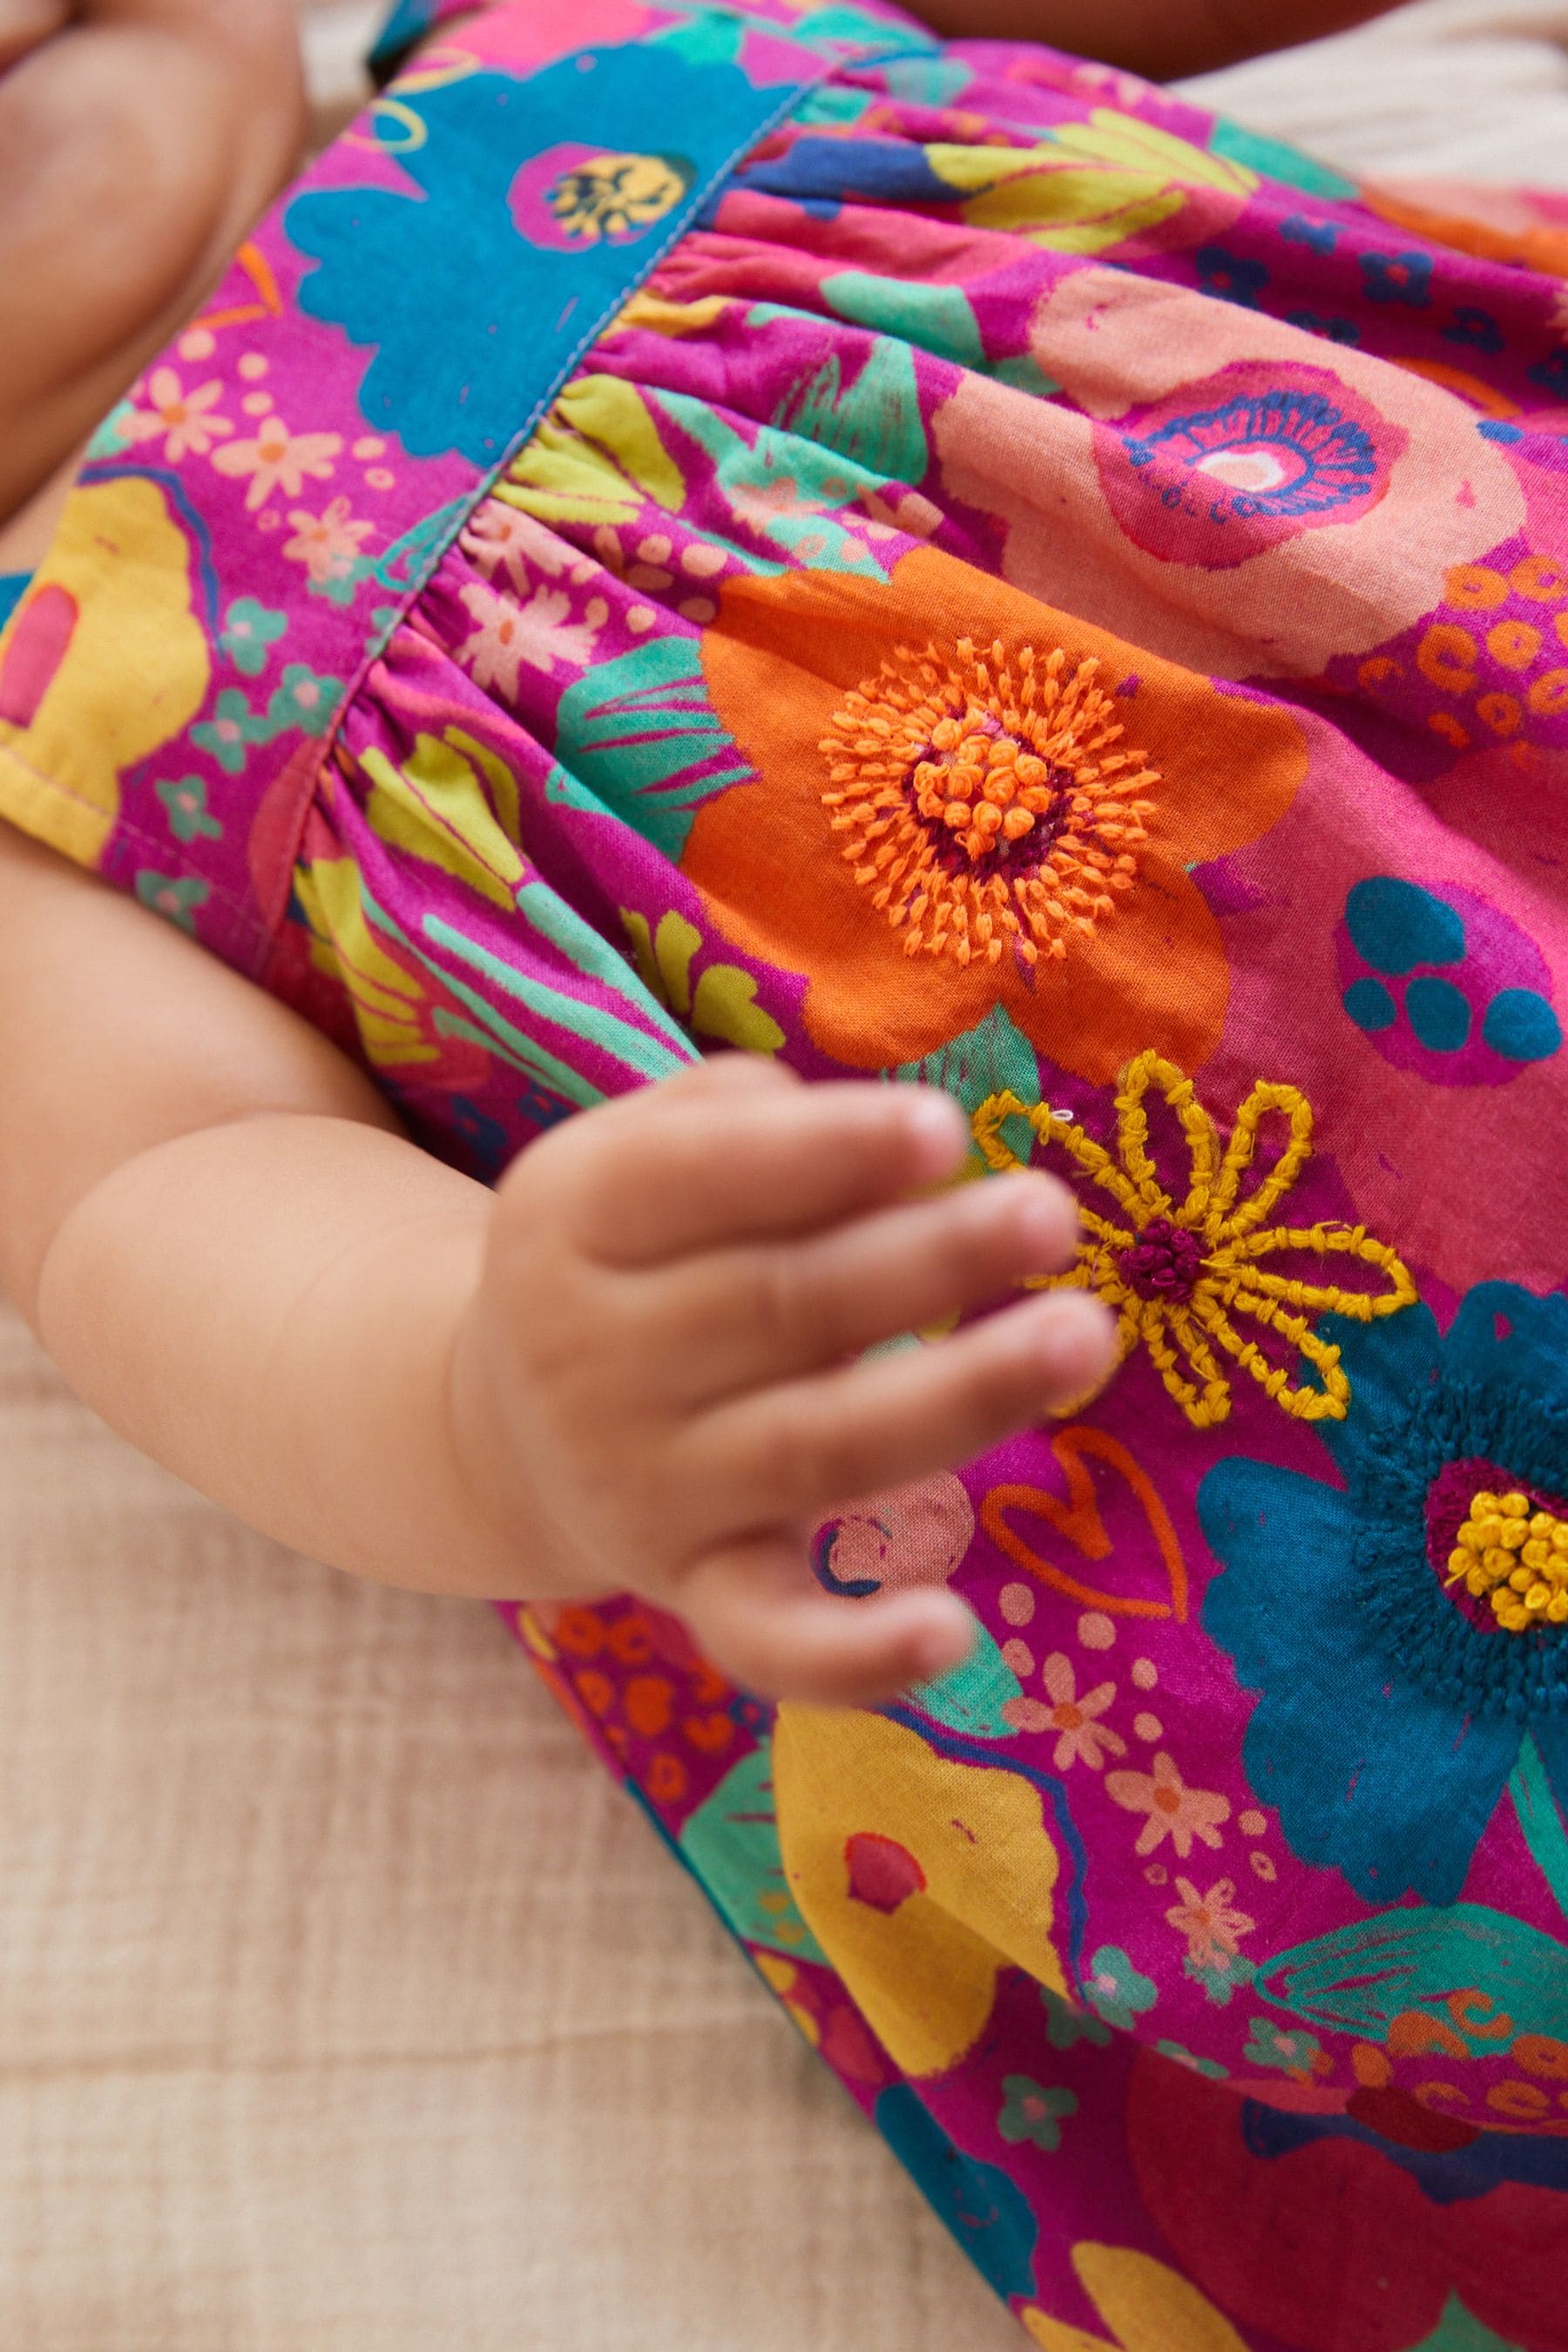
[(1181, 1273), (1146, 2307), (722, 1004)]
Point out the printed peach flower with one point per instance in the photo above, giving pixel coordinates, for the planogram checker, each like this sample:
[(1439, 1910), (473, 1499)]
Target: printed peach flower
[(981, 801), (277, 459), (1082, 1738), (538, 633), (1173, 1810), (499, 536), (1197, 1272), (327, 544), (1211, 1923), (181, 420)]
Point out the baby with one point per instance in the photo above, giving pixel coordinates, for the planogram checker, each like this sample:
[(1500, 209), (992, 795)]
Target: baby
[(710, 547)]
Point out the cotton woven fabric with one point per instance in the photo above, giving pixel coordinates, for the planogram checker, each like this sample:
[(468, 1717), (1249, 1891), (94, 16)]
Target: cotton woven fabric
[(1022, 585)]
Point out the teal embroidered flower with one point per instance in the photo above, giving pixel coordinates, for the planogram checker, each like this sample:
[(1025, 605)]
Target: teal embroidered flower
[(1115, 1988), (248, 633), (185, 805), (231, 731), (176, 897), (1287, 2054), (1398, 1703), (1067, 2026), (303, 700), (1031, 2112)]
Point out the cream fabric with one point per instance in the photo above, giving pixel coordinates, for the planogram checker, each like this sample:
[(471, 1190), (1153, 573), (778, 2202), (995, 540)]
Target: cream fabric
[(344, 2005)]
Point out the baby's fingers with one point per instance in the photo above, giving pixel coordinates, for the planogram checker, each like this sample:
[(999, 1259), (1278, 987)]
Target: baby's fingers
[(756, 1613), (801, 1449)]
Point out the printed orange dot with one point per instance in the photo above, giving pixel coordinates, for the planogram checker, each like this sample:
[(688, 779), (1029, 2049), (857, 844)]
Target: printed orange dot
[(1376, 671), (1475, 588), (1515, 644), (629, 1641), (580, 1631), (1018, 1604), (1561, 625), (1549, 695), (1522, 2102), (1538, 2054), (1543, 577), (650, 1703), (701, 559), (596, 1691), (1095, 1631), (1263, 1865), (667, 1779), (1145, 1674), (1503, 713), (1447, 656), (1370, 2067), (1157, 1875), (709, 1733), (1253, 1825), (1149, 1727), (1018, 1658), (1443, 723)]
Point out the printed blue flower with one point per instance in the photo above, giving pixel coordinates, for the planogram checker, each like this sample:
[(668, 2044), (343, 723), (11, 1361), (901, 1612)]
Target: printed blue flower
[(520, 205), (1392, 1713), (1397, 277), (1231, 276)]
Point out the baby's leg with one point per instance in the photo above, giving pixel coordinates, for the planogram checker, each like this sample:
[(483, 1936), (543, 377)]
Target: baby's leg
[(139, 139)]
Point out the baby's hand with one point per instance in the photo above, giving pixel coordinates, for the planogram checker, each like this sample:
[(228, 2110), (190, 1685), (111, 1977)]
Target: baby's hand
[(662, 1381)]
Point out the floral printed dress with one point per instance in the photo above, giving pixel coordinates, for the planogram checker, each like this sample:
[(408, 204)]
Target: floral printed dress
[(740, 527)]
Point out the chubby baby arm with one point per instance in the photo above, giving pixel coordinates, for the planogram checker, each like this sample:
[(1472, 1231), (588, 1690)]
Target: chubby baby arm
[(139, 141), (637, 1364)]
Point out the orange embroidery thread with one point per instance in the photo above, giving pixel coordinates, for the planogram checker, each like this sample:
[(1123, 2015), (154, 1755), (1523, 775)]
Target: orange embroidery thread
[(983, 801)]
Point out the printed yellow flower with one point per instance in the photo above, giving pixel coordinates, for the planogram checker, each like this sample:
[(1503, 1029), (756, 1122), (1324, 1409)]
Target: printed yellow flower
[(723, 1002), (1183, 1274), (1090, 185), (1146, 2307)]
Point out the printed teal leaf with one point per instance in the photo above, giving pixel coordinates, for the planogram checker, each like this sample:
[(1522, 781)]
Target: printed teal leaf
[(731, 1842), (971, 1696), (640, 735), (1358, 1979), (994, 1057), (876, 423), (1458, 2330)]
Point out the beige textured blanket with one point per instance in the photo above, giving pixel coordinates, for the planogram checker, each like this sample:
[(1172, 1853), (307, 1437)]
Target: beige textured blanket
[(344, 2007)]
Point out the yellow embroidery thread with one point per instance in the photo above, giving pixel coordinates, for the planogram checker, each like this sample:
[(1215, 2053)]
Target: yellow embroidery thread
[(1177, 1274), (1516, 1555)]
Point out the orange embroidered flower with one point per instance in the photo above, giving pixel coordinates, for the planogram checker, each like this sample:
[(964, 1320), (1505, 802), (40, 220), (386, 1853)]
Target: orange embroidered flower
[(963, 799)]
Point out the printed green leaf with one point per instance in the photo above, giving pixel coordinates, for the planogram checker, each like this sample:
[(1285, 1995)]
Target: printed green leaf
[(1359, 1979), (731, 1842)]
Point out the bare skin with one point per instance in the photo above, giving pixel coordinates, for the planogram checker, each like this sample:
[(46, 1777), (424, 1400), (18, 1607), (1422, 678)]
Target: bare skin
[(641, 1363)]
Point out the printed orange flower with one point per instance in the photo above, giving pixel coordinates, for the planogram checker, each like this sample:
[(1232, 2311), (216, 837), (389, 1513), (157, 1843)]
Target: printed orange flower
[(965, 799)]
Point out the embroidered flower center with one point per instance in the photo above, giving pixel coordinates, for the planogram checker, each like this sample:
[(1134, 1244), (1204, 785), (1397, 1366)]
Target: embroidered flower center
[(984, 801), (1165, 1265), (1512, 1556)]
